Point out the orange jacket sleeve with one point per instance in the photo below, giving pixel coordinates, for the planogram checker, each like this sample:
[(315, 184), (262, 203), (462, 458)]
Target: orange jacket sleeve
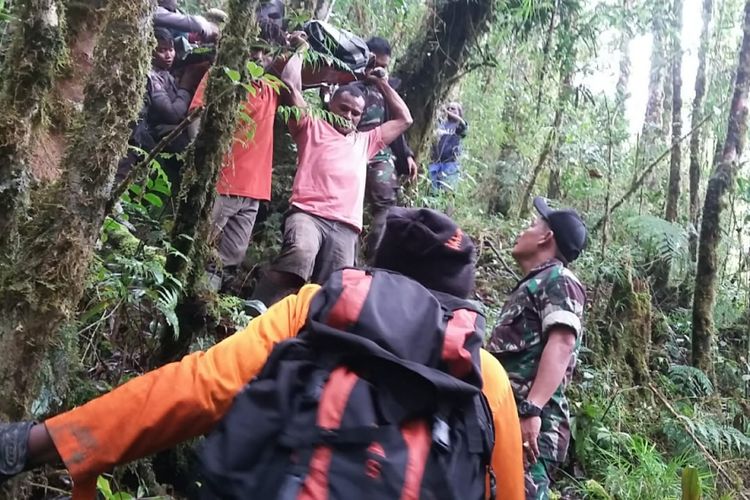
[(172, 404), (198, 97), (507, 456)]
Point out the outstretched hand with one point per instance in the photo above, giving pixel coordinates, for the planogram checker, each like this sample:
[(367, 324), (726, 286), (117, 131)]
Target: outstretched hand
[(413, 169)]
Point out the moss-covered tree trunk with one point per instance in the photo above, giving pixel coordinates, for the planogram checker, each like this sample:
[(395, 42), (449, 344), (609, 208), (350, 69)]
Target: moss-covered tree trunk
[(436, 57), (40, 289), (675, 159), (204, 160), (696, 116), (27, 77), (719, 185)]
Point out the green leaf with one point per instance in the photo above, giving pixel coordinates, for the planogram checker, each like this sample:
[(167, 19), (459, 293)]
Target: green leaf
[(255, 70), (250, 89), (691, 484), (103, 486), (233, 74), (136, 189), (153, 199)]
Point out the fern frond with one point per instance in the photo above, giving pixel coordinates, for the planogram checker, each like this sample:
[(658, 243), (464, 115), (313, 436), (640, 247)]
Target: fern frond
[(691, 381)]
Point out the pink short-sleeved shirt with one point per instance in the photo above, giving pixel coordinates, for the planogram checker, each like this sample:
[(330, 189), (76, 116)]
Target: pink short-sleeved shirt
[(332, 169)]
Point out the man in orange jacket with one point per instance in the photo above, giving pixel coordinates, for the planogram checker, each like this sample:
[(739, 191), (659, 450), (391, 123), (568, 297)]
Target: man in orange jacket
[(185, 399)]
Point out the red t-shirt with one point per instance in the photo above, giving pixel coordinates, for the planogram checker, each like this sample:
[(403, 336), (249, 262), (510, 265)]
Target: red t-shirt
[(247, 168)]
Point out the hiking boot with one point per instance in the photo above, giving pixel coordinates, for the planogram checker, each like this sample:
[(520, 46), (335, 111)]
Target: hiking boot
[(254, 308)]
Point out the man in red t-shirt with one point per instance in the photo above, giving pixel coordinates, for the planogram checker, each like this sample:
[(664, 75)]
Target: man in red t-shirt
[(325, 219), (245, 179)]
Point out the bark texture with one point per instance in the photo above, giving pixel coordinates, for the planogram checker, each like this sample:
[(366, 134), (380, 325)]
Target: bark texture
[(696, 142), (40, 289), (204, 161), (720, 185), (37, 47), (652, 136), (675, 159), (436, 57)]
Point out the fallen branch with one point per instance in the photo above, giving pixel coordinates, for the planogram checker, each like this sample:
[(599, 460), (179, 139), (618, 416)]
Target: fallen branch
[(637, 184), (730, 482), (502, 261), (138, 167)]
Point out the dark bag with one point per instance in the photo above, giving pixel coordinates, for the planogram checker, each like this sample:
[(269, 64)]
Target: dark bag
[(379, 398), (341, 44)]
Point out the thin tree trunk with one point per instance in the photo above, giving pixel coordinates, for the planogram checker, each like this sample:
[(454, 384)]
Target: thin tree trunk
[(41, 290), (651, 134), (436, 57), (545, 57), (204, 161), (695, 139), (719, 185), (623, 79), (549, 143), (36, 49), (675, 160)]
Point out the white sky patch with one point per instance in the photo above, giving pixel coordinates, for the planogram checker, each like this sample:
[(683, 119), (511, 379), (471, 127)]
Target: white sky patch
[(606, 73)]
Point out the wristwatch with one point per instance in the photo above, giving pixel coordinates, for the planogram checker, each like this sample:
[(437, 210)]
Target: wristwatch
[(528, 409)]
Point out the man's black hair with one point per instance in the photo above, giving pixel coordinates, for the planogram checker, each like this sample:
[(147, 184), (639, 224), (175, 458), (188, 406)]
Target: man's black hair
[(379, 46), (351, 89), (163, 35)]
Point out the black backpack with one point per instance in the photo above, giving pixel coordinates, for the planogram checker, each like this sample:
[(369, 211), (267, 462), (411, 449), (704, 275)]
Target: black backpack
[(341, 44), (378, 398)]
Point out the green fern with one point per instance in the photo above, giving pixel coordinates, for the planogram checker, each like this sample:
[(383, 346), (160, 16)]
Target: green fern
[(721, 440), (166, 302), (664, 240), (691, 381)]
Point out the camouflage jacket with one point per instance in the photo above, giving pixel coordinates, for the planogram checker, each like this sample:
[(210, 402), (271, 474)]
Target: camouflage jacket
[(375, 114), (550, 295)]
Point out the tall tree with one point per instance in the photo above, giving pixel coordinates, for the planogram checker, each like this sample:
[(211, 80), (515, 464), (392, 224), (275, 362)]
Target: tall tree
[(437, 56), (28, 74), (720, 184), (675, 159), (651, 133), (203, 164), (41, 288), (696, 117)]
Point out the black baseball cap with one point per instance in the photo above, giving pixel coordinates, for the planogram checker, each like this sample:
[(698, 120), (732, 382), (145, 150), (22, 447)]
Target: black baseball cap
[(567, 227)]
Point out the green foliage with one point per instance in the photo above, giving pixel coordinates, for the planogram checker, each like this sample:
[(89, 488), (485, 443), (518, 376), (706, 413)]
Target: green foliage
[(723, 441), (691, 381), (691, 484)]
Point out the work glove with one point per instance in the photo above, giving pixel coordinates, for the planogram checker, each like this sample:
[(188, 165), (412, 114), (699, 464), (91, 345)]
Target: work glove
[(14, 448)]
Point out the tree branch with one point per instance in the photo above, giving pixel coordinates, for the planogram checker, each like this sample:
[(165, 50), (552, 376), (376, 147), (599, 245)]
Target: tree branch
[(638, 182), (163, 143)]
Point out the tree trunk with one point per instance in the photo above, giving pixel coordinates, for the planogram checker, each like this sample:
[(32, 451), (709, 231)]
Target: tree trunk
[(719, 185), (624, 77), (697, 115), (28, 74), (204, 161), (549, 143), (435, 58), (675, 160), (651, 134), (548, 37), (41, 289)]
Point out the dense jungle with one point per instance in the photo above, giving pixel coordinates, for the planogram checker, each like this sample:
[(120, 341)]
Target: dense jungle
[(632, 112)]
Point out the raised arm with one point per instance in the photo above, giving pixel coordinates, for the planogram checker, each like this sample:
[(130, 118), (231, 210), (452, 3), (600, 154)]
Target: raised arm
[(400, 119), (291, 75)]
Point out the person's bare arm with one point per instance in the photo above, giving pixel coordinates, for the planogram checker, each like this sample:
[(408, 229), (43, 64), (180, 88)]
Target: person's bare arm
[(401, 118), (552, 366), (291, 76)]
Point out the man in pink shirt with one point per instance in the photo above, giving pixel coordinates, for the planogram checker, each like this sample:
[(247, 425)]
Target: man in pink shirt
[(322, 226)]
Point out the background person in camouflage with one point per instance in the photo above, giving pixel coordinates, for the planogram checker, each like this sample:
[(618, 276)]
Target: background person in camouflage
[(538, 337), (397, 159)]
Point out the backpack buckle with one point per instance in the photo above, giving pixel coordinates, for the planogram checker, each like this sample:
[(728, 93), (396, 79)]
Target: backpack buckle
[(441, 434)]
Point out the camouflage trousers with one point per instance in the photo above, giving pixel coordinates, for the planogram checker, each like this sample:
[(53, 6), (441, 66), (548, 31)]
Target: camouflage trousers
[(381, 192), (538, 479)]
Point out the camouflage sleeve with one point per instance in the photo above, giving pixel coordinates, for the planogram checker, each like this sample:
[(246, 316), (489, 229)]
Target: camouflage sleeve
[(560, 302)]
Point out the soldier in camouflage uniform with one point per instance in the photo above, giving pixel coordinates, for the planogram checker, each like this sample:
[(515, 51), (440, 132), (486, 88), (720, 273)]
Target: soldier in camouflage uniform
[(538, 336), (397, 159)]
